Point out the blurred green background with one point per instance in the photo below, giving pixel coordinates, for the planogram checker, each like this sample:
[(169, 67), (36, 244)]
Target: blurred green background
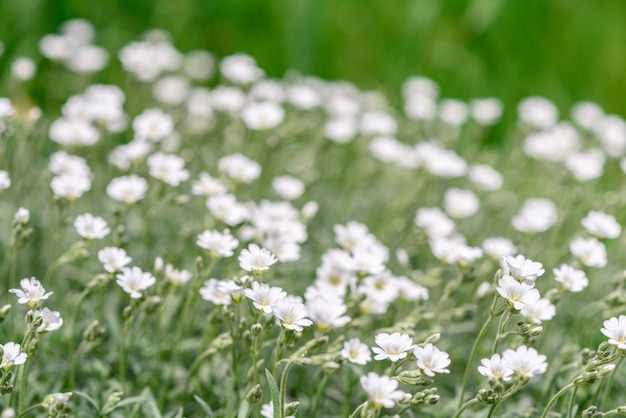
[(566, 50)]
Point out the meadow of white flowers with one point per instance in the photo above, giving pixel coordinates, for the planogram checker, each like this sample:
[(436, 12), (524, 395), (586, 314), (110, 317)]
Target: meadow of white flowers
[(198, 240)]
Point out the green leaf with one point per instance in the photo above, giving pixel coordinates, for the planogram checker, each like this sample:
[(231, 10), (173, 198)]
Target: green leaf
[(275, 394), (244, 410), (178, 414), (205, 406), (89, 399), (151, 403)]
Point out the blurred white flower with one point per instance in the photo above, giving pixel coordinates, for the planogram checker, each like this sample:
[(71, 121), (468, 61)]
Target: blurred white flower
[(240, 69), (601, 225), (5, 181), (263, 115), (460, 203), (167, 167), (287, 187), (212, 292), (543, 310), (486, 111), (382, 390), (91, 227), (590, 251), (498, 247), (50, 320), (538, 112), (133, 281), (23, 68), (536, 215), (218, 243), (356, 352), (207, 186), (522, 269), (239, 167), (571, 278), (153, 125), (113, 259), (485, 177), (127, 189)]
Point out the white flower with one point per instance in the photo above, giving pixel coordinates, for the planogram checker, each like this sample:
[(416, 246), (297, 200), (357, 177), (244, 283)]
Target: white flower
[(5, 180), (590, 251), (615, 330), (381, 390), (525, 362), (486, 111), (133, 281), (356, 352), (22, 216), (292, 314), (177, 277), (601, 225), (50, 320), (453, 112), (91, 227), (536, 215), (256, 259), (522, 269), (287, 187), (587, 165), (11, 356), (485, 177), (341, 129), (543, 310), (586, 114), (113, 259), (392, 346), (239, 167), (23, 68), (572, 279), (378, 123), (167, 167), (153, 125), (240, 68), (496, 369), (538, 112), (434, 222), (262, 116), (73, 132), (213, 292), (127, 189), (327, 313), (498, 247), (207, 186), (264, 297), (461, 203), (219, 244), (226, 208), (31, 293), (517, 294), (70, 187), (431, 360)]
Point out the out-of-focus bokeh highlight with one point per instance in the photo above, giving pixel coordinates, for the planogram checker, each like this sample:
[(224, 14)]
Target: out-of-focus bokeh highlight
[(566, 50)]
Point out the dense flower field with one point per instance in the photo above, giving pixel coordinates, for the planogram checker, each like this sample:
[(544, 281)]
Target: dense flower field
[(199, 240)]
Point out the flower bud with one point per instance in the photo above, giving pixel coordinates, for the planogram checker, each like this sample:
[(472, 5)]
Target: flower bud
[(254, 395), (587, 378), (291, 409), (256, 329), (433, 339), (487, 396), (4, 311)]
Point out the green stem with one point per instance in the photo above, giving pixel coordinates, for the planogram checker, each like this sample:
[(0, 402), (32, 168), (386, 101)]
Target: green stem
[(75, 358), (318, 394), (465, 406), (609, 383), (283, 387), (122, 360), (23, 386), (571, 402), (473, 354), (555, 397), (29, 409), (492, 409), (358, 410), (504, 319)]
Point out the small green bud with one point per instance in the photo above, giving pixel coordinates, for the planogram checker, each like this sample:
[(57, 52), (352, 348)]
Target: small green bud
[(152, 304), (127, 312), (587, 378), (433, 339), (256, 329), (604, 350), (621, 410), (254, 395), (4, 311), (94, 332), (586, 355), (291, 409), (590, 412), (112, 401), (487, 396)]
